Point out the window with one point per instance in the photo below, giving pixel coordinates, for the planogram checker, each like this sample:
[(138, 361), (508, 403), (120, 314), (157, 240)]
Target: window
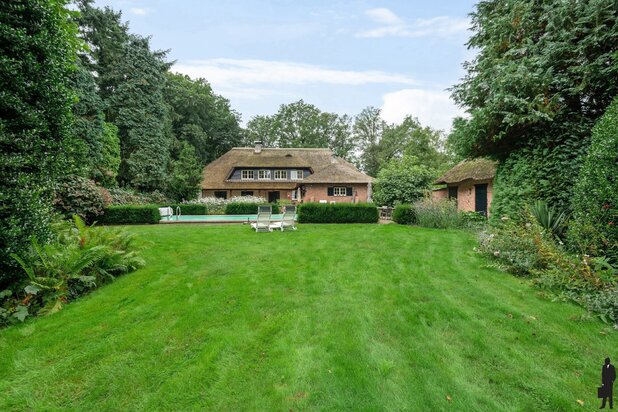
[(246, 192), (263, 174), (281, 174), (221, 194), (452, 192), (296, 175), (294, 195), (339, 191), (246, 175)]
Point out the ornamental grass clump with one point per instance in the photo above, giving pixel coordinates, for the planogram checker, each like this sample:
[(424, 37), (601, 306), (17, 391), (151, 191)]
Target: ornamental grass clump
[(440, 214)]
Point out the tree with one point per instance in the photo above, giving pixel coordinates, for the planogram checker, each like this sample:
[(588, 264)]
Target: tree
[(137, 107), (368, 129), (300, 124), (38, 46), (402, 181), (544, 73), (201, 118), (107, 167), (595, 201), (186, 175)]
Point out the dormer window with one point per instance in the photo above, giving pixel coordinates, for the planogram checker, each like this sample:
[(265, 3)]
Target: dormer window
[(263, 174), (247, 175), (281, 174), (296, 175)]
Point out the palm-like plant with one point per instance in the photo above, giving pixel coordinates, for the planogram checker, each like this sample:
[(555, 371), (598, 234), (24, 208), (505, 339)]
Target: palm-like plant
[(550, 219)]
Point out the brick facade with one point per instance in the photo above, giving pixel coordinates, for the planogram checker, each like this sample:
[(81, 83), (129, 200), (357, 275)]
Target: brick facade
[(466, 194), (319, 191)]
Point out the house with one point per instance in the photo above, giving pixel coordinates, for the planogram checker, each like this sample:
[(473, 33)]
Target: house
[(470, 183), (295, 174)]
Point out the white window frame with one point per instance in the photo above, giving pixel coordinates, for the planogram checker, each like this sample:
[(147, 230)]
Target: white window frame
[(340, 191), (278, 173), (265, 173), (296, 175), (294, 194), (248, 173)]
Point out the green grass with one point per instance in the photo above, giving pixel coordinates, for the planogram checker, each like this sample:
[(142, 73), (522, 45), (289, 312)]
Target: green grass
[(354, 317)]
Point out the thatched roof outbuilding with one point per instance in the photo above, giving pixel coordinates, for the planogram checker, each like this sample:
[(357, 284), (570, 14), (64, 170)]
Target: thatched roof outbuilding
[(475, 169)]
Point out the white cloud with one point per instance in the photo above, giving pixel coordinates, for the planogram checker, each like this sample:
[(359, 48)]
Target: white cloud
[(432, 107), (383, 16), (140, 11), (232, 72), (393, 25)]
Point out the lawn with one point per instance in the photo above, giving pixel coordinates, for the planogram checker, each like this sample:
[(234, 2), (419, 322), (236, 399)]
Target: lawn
[(354, 317)]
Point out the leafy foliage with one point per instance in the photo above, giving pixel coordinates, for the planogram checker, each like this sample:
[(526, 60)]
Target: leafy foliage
[(337, 213), (401, 181), (79, 259), (201, 118), (550, 219), (123, 196), (544, 73), (186, 175), (595, 227), (79, 196), (404, 214), (37, 53), (245, 208), (301, 124), (130, 214)]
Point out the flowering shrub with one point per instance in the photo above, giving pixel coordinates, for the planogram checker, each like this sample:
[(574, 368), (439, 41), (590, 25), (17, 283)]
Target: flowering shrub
[(80, 196), (131, 197), (216, 206), (440, 214)]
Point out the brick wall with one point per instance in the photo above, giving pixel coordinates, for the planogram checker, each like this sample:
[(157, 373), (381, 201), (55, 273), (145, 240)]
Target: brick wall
[(317, 192)]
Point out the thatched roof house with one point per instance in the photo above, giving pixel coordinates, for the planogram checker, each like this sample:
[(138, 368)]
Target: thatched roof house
[(470, 183), (296, 174)]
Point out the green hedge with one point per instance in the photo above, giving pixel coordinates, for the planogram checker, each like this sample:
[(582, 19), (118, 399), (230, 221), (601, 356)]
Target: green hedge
[(130, 214), (189, 208), (404, 214), (338, 213), (242, 208)]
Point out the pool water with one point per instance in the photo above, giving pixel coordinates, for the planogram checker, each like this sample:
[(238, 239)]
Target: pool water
[(214, 218)]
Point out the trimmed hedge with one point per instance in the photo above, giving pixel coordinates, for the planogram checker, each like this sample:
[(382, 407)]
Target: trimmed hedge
[(243, 208), (404, 214), (338, 213), (130, 214), (189, 208)]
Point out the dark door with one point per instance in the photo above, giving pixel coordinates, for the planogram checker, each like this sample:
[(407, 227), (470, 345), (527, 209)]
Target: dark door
[(273, 197), (480, 199)]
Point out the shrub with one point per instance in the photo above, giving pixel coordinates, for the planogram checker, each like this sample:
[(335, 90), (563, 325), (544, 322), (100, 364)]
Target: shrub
[(246, 208), (130, 214), (76, 195), (401, 180), (472, 220), (404, 214), (595, 201), (216, 206), (131, 197), (79, 259), (338, 213), (440, 214)]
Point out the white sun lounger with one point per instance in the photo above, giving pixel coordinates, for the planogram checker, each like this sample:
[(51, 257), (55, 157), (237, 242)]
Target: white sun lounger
[(262, 221), (288, 221)]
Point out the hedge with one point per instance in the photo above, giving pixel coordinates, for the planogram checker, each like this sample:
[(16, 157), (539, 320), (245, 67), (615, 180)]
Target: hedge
[(404, 214), (130, 214), (338, 213), (244, 208), (189, 208)]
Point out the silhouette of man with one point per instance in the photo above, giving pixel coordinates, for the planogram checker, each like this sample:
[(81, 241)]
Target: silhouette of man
[(608, 376)]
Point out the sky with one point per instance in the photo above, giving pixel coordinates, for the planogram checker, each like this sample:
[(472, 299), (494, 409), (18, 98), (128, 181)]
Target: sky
[(341, 56)]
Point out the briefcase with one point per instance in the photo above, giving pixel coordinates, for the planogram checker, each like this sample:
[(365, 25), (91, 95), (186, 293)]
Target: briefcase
[(601, 392)]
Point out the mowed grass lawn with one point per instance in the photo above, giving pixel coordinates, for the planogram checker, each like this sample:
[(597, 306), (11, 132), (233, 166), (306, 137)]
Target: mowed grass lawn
[(350, 317)]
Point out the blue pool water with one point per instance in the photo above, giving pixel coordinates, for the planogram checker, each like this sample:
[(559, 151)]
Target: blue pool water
[(214, 218)]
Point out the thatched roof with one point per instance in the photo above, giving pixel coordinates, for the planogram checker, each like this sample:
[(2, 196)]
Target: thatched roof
[(475, 169), (325, 167)]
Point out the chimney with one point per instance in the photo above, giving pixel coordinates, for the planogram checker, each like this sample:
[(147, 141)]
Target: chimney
[(258, 147)]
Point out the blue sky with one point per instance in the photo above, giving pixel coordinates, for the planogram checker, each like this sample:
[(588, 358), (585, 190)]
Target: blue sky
[(339, 55)]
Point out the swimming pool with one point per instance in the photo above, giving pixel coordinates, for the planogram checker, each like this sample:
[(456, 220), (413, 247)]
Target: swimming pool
[(214, 218)]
